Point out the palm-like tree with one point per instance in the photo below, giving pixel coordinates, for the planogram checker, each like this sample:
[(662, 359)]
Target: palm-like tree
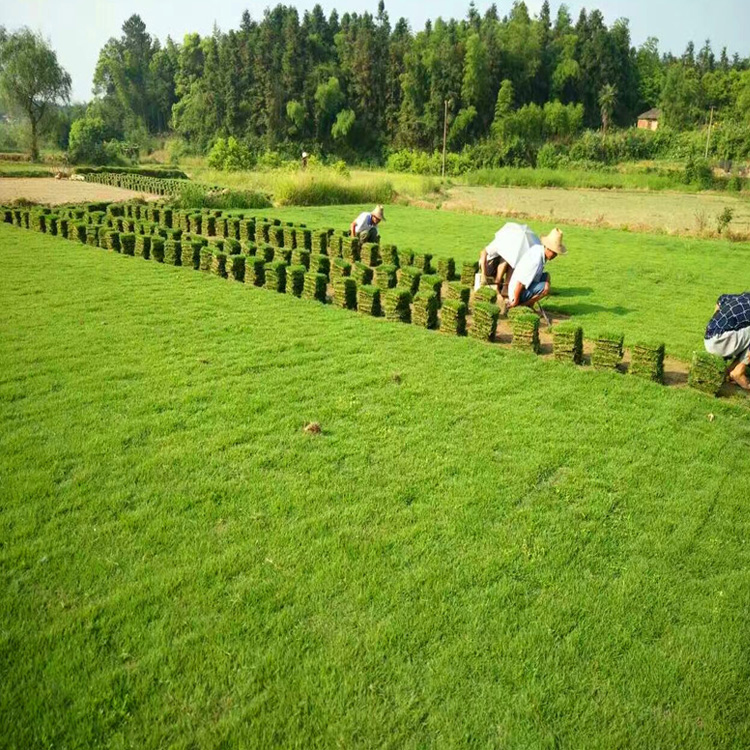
[(607, 101)]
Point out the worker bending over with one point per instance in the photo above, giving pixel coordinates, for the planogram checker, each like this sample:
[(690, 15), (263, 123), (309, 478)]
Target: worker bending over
[(728, 335), (365, 226)]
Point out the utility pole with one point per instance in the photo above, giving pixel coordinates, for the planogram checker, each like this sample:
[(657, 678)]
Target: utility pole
[(445, 133), (708, 137)]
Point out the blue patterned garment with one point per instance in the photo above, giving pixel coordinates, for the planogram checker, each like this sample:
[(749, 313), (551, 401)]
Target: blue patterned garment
[(732, 315)]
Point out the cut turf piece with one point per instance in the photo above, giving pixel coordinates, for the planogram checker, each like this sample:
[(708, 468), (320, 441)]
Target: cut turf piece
[(484, 321), (290, 237), (707, 373), (255, 271), (468, 271), (127, 243), (266, 252), (232, 246), (397, 305), (333, 246), (248, 248), (275, 276), (207, 259), (567, 343), (385, 276), (247, 230), (304, 238), (301, 257), (276, 236), (345, 293), (486, 294), (524, 325), (319, 242), (431, 283), (236, 267), (408, 278), (295, 279), (219, 264), (172, 252), (233, 228), (422, 261), (340, 268), (315, 286), (370, 254), (446, 267), (453, 317), (283, 254), (607, 352), (350, 248), (113, 240), (368, 300), (362, 273), (191, 254), (157, 249), (457, 291), (92, 235), (143, 245), (647, 360), (320, 263), (389, 255), (425, 310)]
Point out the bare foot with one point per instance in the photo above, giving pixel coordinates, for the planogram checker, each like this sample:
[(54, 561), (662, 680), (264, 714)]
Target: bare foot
[(738, 376)]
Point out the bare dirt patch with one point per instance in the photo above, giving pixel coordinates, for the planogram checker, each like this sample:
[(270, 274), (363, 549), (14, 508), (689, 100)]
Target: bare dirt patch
[(43, 190)]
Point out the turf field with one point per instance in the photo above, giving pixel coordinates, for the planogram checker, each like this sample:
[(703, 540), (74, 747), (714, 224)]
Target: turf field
[(481, 548)]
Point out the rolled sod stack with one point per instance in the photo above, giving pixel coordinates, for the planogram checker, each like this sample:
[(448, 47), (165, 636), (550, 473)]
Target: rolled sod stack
[(524, 325), (236, 267), (457, 291), (345, 293), (362, 273), (468, 270), (389, 255), (295, 280), (707, 373), (275, 276), (113, 240), (408, 278), (320, 264), (172, 252), (350, 248), (301, 257), (453, 317), (340, 268), (315, 286), (368, 300), (431, 282), (385, 276), (422, 262), (486, 294), (567, 342), (219, 264), (254, 271), (319, 242), (157, 249), (607, 351), (206, 259), (484, 321), (127, 243), (647, 360), (143, 245), (396, 305), (425, 310), (370, 253), (446, 267)]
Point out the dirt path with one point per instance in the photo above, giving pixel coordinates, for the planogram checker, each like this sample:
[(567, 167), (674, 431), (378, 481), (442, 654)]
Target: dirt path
[(51, 191)]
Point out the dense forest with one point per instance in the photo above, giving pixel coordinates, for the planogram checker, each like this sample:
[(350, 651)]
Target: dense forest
[(360, 87)]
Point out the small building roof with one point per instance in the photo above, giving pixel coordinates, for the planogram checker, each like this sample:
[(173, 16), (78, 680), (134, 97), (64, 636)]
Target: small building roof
[(652, 114)]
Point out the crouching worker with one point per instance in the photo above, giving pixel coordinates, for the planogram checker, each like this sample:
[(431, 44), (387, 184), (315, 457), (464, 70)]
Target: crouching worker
[(728, 335), (529, 282), (365, 226)]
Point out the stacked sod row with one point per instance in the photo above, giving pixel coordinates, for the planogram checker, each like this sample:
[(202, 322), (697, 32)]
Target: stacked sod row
[(707, 373)]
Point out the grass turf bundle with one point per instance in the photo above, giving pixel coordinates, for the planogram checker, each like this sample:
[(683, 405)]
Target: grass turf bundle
[(319, 242), (157, 249), (207, 259), (301, 257), (275, 276), (232, 246), (172, 252), (38, 222), (370, 254), (248, 248), (127, 243), (235, 266), (233, 228), (143, 245), (707, 373), (607, 351), (389, 255), (221, 226), (247, 230), (368, 300), (195, 223), (219, 264), (567, 343), (453, 317), (191, 254), (446, 267), (276, 236), (295, 280), (431, 282), (113, 240), (350, 248), (304, 238), (457, 291), (422, 261), (362, 273), (524, 325), (408, 278), (62, 227), (284, 254), (333, 246), (263, 231), (468, 271), (345, 293), (484, 321), (315, 286), (266, 252), (320, 264), (647, 360), (340, 268), (385, 276), (486, 294), (255, 274), (290, 237), (425, 310), (92, 235)]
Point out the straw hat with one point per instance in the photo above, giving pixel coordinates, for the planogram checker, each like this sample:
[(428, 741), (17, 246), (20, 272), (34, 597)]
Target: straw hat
[(377, 212), (553, 241)]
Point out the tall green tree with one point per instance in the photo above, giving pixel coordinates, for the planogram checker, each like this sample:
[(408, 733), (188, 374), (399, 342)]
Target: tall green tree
[(607, 103)]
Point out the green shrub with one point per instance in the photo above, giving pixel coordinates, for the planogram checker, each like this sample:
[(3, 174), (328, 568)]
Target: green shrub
[(385, 276), (607, 351), (647, 360), (453, 317), (397, 305), (468, 270), (368, 300), (370, 254), (425, 309), (484, 321), (455, 290), (707, 373), (320, 264), (255, 271), (409, 277), (295, 279), (431, 283), (275, 276), (567, 342), (345, 292), (446, 267), (340, 268), (315, 286), (235, 266)]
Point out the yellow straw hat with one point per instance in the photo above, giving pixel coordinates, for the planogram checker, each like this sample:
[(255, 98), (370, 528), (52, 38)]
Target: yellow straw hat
[(554, 242)]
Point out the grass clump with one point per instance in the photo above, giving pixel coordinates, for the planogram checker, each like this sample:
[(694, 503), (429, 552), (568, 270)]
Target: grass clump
[(425, 309), (368, 299), (607, 350), (385, 276), (567, 342), (397, 305), (484, 321), (647, 360), (345, 293), (524, 325), (408, 278), (453, 317), (707, 373), (456, 290), (315, 286), (275, 276), (295, 279)]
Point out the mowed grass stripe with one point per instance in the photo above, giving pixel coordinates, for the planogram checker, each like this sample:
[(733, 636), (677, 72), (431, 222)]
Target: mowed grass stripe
[(484, 548)]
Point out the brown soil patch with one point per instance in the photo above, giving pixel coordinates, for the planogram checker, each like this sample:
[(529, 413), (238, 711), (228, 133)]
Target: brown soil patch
[(53, 192)]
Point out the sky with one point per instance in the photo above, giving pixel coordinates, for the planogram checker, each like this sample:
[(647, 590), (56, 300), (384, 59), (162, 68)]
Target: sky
[(78, 29)]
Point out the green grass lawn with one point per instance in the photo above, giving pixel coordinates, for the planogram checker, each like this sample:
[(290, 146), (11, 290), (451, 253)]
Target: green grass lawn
[(641, 284), (481, 549)]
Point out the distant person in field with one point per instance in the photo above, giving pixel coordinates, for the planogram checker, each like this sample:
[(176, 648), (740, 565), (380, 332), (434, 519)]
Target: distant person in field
[(305, 157), (728, 335), (365, 226), (529, 282)]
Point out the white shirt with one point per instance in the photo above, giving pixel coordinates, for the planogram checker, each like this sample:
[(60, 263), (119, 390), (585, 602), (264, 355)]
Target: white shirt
[(511, 242), (363, 222), (529, 269)]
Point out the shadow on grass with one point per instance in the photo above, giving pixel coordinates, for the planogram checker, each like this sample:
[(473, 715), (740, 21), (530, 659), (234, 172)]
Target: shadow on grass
[(584, 308), (572, 291)]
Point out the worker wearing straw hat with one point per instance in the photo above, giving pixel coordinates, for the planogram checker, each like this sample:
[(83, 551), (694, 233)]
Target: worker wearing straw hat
[(529, 282), (501, 256), (365, 226)]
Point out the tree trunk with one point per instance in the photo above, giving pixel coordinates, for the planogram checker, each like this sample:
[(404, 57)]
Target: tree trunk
[(34, 145)]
